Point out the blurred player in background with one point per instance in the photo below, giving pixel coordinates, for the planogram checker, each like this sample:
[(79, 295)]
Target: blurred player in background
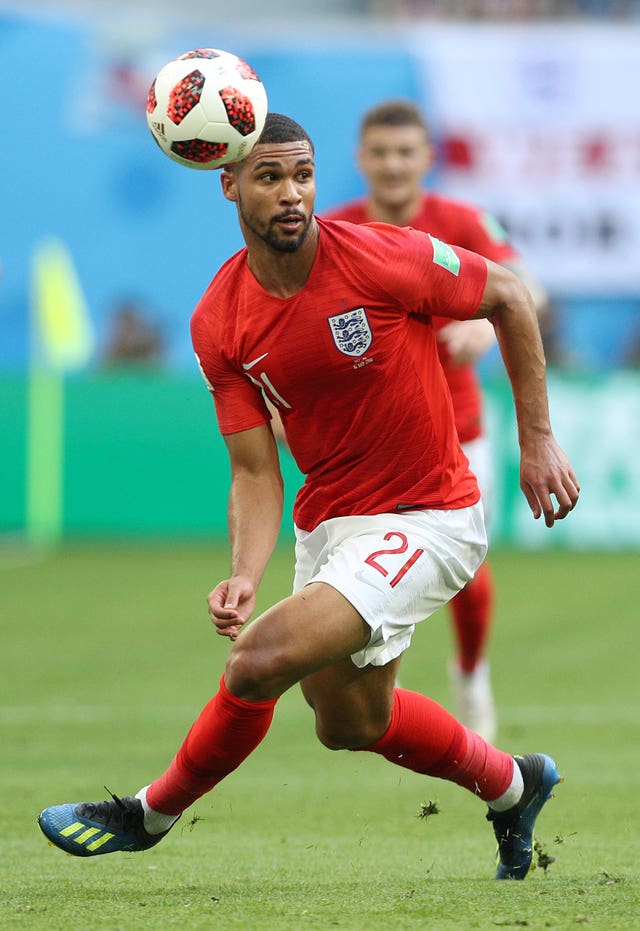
[(332, 321), (395, 153), (134, 338)]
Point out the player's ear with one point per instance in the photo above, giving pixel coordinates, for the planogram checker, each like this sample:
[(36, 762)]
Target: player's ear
[(228, 181), (429, 156)]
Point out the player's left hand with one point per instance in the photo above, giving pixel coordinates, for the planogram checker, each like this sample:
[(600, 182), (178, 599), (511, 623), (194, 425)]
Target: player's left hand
[(546, 471), (467, 340)]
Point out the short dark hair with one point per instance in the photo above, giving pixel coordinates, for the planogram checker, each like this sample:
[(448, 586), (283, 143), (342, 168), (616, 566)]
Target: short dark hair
[(280, 128), (394, 113)]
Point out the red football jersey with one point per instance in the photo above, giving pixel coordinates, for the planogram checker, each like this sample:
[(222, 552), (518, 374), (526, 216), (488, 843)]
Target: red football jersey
[(470, 228), (351, 363)]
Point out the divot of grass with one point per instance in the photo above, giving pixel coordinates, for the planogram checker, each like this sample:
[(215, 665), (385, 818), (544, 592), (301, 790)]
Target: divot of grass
[(193, 821), (543, 859), (427, 809), (561, 839)]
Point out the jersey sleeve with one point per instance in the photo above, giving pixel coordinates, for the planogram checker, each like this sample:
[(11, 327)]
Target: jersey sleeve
[(481, 232), (238, 402), (456, 281), (425, 274)]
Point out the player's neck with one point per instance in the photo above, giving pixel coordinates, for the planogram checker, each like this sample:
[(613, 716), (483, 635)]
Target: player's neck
[(283, 274), (398, 215)]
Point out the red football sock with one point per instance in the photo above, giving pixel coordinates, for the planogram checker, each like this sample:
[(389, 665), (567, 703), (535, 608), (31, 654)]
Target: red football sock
[(471, 613), (226, 732), (422, 736)]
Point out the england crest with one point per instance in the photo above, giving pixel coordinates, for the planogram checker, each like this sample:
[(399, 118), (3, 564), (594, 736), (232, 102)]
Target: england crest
[(351, 331)]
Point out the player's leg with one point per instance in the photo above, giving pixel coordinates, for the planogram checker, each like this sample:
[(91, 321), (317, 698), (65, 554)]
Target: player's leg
[(292, 639), (360, 709), (352, 704), (472, 613), (409, 729), (297, 636), (469, 670), (301, 636)]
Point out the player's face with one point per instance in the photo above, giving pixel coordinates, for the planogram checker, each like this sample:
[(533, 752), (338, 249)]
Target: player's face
[(394, 160), (274, 188)]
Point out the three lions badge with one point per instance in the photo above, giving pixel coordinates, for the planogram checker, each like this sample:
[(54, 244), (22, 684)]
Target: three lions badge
[(351, 331)]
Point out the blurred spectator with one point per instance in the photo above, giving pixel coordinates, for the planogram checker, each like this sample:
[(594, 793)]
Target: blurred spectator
[(134, 339)]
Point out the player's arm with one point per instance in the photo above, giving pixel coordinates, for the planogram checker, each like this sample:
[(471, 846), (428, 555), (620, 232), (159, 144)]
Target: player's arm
[(544, 469), (483, 233), (468, 341), (538, 293), (276, 423), (480, 232), (255, 514)]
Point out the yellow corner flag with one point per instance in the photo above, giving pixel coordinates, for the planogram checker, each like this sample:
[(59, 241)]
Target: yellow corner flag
[(62, 340), (62, 327)]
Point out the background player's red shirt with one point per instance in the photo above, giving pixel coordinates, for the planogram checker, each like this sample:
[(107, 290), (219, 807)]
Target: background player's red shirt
[(352, 364), (465, 226)]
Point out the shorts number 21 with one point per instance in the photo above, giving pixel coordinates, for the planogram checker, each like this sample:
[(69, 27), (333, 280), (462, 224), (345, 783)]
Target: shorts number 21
[(372, 559)]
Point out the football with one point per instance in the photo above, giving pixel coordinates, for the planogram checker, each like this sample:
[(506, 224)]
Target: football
[(206, 108)]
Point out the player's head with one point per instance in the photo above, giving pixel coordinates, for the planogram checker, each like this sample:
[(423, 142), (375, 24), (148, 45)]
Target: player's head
[(274, 186), (395, 152), (279, 128)]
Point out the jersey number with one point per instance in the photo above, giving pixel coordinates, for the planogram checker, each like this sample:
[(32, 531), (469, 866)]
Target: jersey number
[(266, 386), (372, 559)]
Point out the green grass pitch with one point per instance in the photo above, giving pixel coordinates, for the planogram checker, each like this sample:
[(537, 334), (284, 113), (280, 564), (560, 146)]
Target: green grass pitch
[(108, 655)]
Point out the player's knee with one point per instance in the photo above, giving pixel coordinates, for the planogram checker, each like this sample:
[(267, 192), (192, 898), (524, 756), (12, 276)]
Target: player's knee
[(252, 674), (349, 735)]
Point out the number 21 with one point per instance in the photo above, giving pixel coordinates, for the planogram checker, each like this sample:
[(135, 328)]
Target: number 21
[(371, 560)]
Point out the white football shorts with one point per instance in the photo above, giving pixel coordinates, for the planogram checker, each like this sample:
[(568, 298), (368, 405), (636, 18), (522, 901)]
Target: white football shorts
[(395, 569), (479, 455)]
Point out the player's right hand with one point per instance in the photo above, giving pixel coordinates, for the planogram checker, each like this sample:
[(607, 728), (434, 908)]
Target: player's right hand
[(231, 604)]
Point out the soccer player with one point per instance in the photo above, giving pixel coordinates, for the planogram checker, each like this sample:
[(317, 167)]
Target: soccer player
[(332, 322), (395, 152)]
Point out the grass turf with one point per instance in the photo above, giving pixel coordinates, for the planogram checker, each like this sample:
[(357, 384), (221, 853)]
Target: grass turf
[(108, 655)]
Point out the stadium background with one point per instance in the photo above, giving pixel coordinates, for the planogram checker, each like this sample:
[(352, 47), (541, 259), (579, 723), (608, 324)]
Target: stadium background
[(536, 120)]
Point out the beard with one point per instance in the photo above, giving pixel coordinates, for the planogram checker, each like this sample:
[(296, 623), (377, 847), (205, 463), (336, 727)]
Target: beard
[(269, 232)]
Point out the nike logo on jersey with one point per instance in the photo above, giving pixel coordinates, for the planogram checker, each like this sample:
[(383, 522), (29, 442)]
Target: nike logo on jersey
[(249, 365)]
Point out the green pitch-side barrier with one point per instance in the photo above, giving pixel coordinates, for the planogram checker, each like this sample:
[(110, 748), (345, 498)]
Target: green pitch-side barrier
[(142, 457)]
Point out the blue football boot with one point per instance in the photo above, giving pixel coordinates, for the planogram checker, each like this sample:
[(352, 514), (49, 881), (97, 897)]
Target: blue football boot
[(514, 828), (88, 829)]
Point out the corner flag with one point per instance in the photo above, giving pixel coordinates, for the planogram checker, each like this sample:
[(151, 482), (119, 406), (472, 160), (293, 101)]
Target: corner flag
[(62, 328), (61, 340)]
